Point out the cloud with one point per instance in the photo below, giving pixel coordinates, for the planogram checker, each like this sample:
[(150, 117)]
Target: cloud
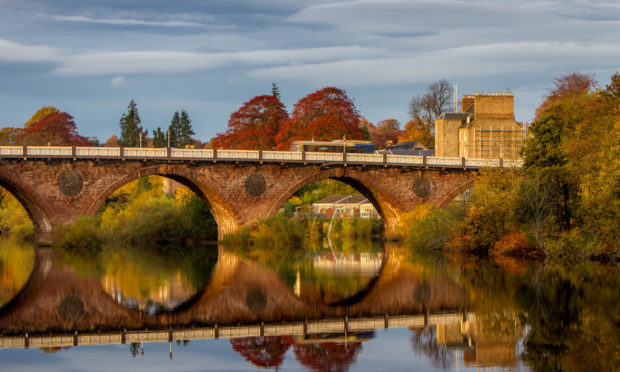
[(144, 62), (125, 21), (117, 80), (13, 52), (472, 61)]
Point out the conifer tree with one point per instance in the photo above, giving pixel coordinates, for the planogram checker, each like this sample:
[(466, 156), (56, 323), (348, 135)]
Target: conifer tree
[(130, 127), (159, 138), (181, 129)]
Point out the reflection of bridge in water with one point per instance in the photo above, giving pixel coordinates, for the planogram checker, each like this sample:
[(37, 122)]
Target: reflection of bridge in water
[(56, 298), (304, 329)]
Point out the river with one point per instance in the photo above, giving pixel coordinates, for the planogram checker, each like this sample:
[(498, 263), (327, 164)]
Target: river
[(358, 306)]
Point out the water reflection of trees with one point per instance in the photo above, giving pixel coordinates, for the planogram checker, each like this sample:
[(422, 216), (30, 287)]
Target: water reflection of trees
[(16, 263), (266, 351), (327, 356), (424, 342)]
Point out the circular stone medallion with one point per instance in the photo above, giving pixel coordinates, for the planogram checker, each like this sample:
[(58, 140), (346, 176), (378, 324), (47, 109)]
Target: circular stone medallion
[(255, 184), (421, 187), (70, 183), (71, 308)]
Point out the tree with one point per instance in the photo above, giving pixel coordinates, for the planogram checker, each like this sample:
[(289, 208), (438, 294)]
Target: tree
[(131, 130), (40, 114), (568, 86), (112, 141), (159, 138), (263, 352), (365, 126), (384, 131), (186, 132), (180, 129), (327, 356), (55, 129), (275, 90), (254, 125), (326, 114), (416, 130), (425, 109), (9, 135)]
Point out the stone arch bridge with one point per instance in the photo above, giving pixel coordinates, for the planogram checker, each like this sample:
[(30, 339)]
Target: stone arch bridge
[(57, 184)]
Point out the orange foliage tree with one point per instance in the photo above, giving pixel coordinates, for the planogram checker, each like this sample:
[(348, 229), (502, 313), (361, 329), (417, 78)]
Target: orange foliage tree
[(254, 126), (568, 86), (384, 131), (324, 115), (327, 356), (417, 130), (265, 352), (55, 129)]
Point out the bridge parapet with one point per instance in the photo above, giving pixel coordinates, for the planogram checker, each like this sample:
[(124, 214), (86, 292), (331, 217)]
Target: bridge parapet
[(50, 152)]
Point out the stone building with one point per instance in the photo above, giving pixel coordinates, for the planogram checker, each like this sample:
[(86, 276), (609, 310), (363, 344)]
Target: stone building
[(484, 129)]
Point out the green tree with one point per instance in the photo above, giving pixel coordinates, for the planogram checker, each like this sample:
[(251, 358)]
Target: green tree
[(131, 130), (181, 129), (159, 138)]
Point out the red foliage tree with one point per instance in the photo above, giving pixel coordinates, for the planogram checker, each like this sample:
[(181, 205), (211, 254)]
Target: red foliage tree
[(327, 356), (569, 86), (112, 141), (384, 131), (254, 126), (324, 115), (55, 129), (263, 352)]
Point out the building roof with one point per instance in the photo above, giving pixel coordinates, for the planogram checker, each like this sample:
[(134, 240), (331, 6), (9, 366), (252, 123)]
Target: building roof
[(454, 115), (343, 199)]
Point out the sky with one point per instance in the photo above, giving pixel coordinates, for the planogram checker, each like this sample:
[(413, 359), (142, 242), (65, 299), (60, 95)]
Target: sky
[(91, 57)]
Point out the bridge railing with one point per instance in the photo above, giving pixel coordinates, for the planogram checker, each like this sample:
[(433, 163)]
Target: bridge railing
[(11, 150), (250, 155), (96, 152), (191, 154)]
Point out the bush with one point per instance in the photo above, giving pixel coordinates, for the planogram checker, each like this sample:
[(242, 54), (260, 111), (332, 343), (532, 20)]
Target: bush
[(81, 237)]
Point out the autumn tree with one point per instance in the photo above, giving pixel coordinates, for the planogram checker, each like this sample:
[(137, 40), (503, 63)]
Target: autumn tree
[(425, 109), (9, 135), (254, 125), (264, 352), (384, 131), (417, 130), (40, 114), (325, 115), (131, 130), (365, 127), (327, 356), (112, 141), (569, 86), (180, 129), (55, 129), (570, 162)]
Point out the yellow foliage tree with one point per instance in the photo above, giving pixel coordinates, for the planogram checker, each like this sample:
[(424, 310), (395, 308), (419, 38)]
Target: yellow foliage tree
[(40, 114)]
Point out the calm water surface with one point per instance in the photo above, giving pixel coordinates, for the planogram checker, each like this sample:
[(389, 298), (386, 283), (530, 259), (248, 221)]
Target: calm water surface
[(357, 306)]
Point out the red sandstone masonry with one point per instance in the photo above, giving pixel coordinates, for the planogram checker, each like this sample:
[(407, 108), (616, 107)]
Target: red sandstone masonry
[(222, 186)]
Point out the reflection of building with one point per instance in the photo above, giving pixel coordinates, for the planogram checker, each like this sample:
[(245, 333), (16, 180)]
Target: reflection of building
[(485, 129), (168, 294), (482, 347), (346, 206), (348, 263)]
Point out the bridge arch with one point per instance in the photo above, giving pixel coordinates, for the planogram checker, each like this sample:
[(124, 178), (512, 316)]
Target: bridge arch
[(456, 191), (385, 205), (34, 207), (225, 212)]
